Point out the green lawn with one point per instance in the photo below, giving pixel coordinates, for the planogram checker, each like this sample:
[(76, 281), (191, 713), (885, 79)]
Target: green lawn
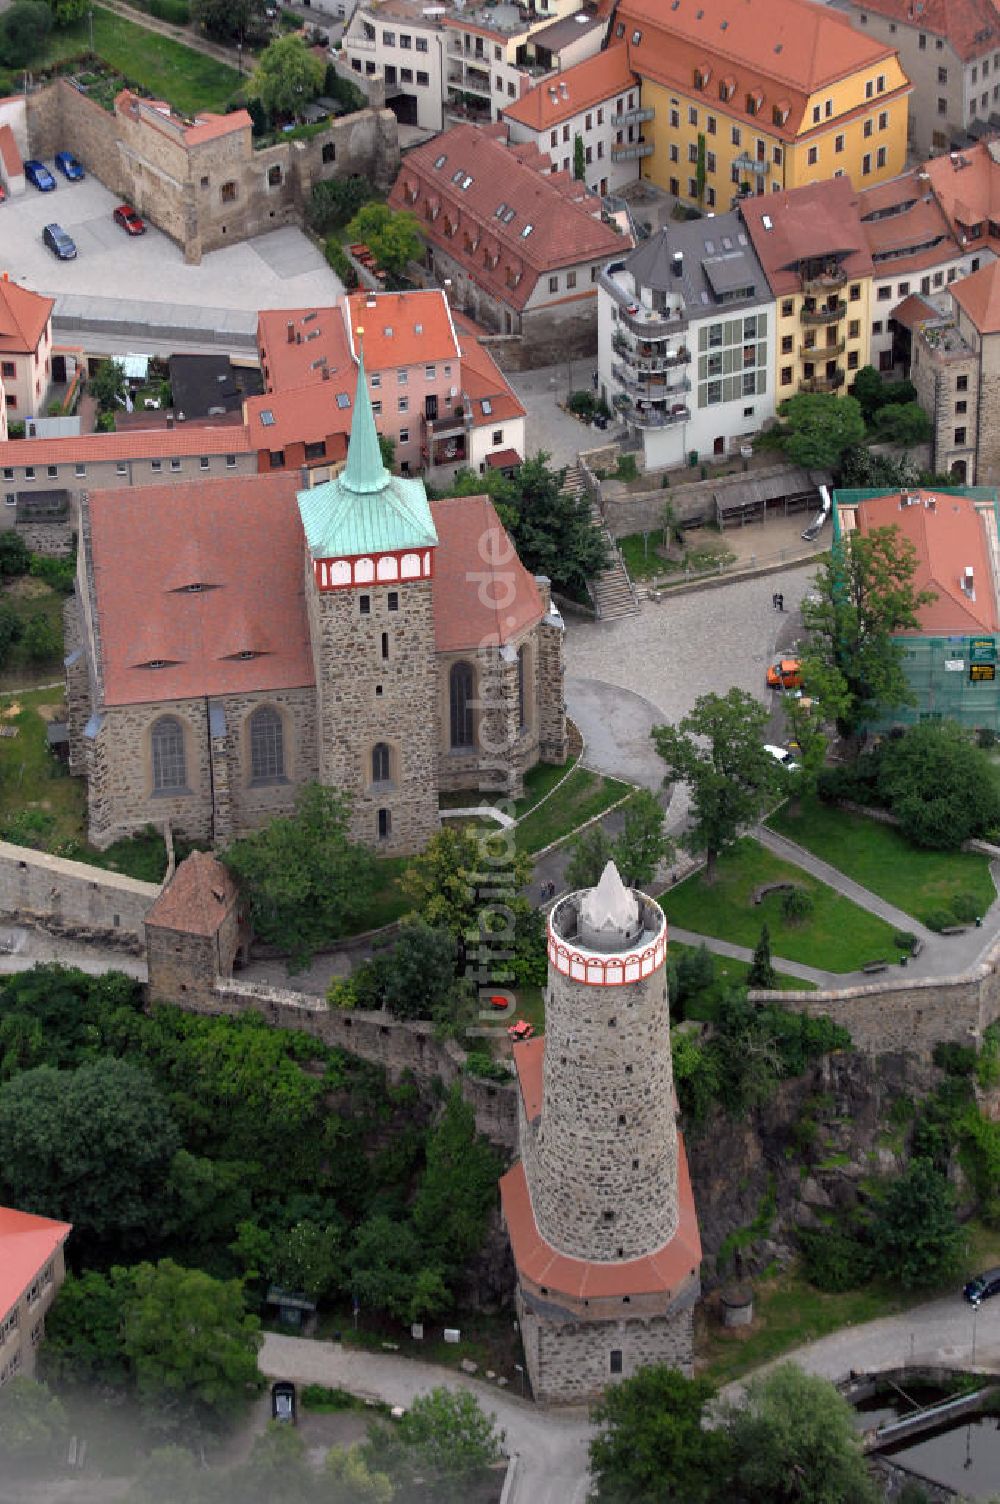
[(836, 936), (188, 80), (581, 797), (789, 1312), (643, 562), (29, 597), (37, 796), (389, 902), (538, 781), (879, 857)]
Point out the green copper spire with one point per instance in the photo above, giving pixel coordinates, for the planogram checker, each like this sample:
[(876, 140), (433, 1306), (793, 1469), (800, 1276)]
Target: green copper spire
[(365, 509), (364, 472)]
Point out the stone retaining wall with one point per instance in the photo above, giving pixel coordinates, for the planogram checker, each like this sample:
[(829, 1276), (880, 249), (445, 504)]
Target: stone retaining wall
[(391, 1043), (72, 898)]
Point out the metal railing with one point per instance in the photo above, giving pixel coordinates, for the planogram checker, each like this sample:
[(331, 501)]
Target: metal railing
[(828, 315)]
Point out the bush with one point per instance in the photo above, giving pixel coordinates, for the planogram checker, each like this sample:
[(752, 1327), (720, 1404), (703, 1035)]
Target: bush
[(581, 403), (177, 12), (478, 1063), (319, 1398), (41, 639), (59, 573), (15, 430), (904, 940), (15, 556), (965, 907), (796, 904), (954, 1059), (938, 919), (627, 467), (834, 1259), (338, 259)]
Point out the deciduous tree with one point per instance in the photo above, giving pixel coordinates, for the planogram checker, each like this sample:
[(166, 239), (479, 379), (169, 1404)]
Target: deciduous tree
[(109, 386), (939, 784), (85, 1329), (819, 426), (864, 594), (23, 30), (642, 843), (287, 77), (231, 20), (32, 1423), (590, 853), (651, 1447), (916, 1234), (445, 1438), (350, 1480), (392, 236), (718, 750)]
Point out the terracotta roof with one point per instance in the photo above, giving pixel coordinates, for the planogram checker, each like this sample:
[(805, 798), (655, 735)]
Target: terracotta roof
[(783, 50), (302, 415), (529, 1057), (192, 132), (547, 229), (588, 83), (318, 338), (210, 127), (482, 378), (13, 166), (197, 898), (821, 219), (970, 26), (24, 317), (27, 1243), (472, 545), (979, 295), (914, 310), (500, 459), (949, 537), (915, 236), (131, 444), (662, 1272), (967, 187), (402, 328), (241, 540)]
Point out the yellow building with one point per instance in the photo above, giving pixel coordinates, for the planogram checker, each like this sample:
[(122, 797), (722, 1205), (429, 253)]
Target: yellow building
[(744, 97), (814, 251)]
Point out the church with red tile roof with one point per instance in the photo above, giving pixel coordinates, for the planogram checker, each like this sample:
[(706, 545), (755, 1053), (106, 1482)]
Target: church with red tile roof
[(239, 638)]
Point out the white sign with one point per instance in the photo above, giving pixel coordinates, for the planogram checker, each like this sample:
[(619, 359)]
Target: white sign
[(452, 1334), (954, 665)]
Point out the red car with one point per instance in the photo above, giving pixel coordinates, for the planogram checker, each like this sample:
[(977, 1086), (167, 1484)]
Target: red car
[(521, 1030), (129, 220)]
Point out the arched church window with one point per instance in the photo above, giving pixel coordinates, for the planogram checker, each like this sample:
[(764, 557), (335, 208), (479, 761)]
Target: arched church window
[(267, 745), (169, 770), (461, 684)]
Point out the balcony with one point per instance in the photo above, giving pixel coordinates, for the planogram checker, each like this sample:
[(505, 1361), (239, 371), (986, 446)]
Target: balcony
[(636, 317), (829, 280), (631, 151), (632, 117), (650, 386), (827, 315), (818, 353), (822, 383), (745, 163), (655, 417), (444, 427)]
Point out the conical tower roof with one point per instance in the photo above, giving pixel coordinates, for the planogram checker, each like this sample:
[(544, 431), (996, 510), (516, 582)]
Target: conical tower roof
[(365, 509)]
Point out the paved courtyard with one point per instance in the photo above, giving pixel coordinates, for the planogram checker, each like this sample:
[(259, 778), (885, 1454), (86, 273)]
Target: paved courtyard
[(548, 427), (280, 270)]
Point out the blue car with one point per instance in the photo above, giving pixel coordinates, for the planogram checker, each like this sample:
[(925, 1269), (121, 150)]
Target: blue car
[(39, 176), (70, 167), (59, 243)]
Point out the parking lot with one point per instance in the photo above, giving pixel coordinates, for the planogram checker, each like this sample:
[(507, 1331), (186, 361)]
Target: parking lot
[(280, 270)]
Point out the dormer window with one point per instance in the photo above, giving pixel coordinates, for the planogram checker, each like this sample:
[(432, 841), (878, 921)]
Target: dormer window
[(193, 589), (727, 88), (155, 663), (245, 654), (441, 160), (702, 76)]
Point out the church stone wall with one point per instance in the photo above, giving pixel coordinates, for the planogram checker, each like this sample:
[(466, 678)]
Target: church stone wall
[(66, 896)]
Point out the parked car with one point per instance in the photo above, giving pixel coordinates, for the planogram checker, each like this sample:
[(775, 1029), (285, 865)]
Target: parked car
[(59, 243), (129, 220), (70, 167), (786, 673), (982, 1287), (39, 176), (283, 1402), (782, 755), (521, 1030), (3, 193)]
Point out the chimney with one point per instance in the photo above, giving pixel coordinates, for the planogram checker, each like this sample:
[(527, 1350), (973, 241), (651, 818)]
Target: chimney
[(326, 373), (678, 263), (290, 328), (170, 420)]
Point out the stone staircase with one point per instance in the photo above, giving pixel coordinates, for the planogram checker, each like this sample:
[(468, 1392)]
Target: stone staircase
[(612, 591)]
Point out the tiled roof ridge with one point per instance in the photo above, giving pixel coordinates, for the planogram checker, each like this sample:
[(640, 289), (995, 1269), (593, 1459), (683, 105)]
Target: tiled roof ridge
[(11, 296), (947, 20)]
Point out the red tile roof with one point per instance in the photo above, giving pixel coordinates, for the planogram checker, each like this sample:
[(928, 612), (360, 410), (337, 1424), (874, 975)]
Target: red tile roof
[(913, 310), (969, 25), (24, 317), (948, 536), (197, 898), (204, 127), (403, 328), (318, 337), (529, 1057), (979, 295), (917, 235), (131, 444), (13, 166), (472, 544), (781, 49), (241, 540), (303, 415), (967, 187), (586, 84), (538, 1262), (482, 378), (560, 232), (821, 219), (501, 459), (27, 1243)]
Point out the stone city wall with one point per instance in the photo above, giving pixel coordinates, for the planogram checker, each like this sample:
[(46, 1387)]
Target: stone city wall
[(395, 1045), (638, 511), (72, 898)]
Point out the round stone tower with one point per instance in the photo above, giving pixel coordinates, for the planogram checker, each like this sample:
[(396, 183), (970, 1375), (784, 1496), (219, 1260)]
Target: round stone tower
[(602, 1171)]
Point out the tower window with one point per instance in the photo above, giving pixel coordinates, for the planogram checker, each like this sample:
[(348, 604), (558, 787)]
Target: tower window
[(385, 644), (616, 1360), (522, 654), (635, 1164), (612, 1023), (461, 686), (380, 763), (384, 824), (621, 1120), (393, 600), (365, 604), (609, 1216)]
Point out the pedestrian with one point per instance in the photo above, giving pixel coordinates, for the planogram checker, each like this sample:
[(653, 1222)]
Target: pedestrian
[(774, 600), (781, 602), (596, 380)]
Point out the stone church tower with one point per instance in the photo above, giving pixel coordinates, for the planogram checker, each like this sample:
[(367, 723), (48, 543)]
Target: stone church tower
[(370, 544), (599, 1208)]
